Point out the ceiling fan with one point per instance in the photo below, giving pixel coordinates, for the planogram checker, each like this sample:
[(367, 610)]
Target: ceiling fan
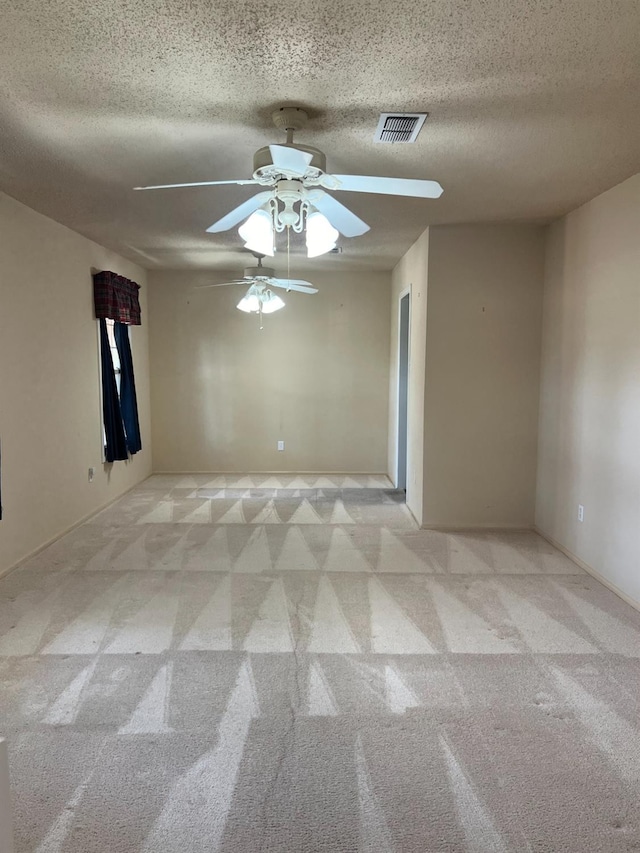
[(266, 277), (260, 299), (295, 178)]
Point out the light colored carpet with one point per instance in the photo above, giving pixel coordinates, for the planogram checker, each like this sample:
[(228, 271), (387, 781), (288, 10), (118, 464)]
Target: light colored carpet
[(255, 664)]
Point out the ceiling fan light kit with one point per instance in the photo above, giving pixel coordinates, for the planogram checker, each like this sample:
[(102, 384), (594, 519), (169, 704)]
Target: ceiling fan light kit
[(286, 195), (259, 299)]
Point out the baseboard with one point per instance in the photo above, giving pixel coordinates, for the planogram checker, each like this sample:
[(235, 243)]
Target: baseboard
[(274, 473), (589, 569), (479, 528), (85, 518)]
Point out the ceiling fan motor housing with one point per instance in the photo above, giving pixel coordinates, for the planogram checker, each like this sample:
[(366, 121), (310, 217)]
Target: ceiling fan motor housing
[(263, 161), (259, 272)]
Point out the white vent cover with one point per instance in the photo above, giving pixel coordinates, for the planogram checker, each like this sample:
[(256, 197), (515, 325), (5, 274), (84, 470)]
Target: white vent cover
[(399, 127)]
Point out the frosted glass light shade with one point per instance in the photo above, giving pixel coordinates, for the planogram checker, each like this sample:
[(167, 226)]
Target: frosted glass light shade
[(257, 233), (256, 297), (249, 303), (271, 302), (321, 236)]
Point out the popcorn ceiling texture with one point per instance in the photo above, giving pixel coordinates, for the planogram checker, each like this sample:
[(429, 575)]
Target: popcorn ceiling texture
[(535, 108), (256, 663)]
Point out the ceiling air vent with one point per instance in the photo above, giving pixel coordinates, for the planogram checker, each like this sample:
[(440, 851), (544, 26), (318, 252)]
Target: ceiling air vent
[(399, 127)]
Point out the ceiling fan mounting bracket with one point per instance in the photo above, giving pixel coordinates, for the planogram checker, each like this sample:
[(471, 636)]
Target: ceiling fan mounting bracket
[(289, 118)]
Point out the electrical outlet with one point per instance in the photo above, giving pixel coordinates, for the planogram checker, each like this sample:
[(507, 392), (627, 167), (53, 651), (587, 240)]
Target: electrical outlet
[(580, 512), (281, 445), (92, 472)]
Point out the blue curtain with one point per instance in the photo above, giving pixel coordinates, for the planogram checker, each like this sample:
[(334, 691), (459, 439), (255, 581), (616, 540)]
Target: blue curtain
[(116, 447), (128, 400)]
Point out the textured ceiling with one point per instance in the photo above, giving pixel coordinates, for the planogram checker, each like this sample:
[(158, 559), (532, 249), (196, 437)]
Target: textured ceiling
[(534, 108)]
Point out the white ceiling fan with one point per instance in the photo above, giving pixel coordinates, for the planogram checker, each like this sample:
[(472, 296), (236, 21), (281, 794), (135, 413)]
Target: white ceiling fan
[(266, 277), (295, 179), (259, 298)]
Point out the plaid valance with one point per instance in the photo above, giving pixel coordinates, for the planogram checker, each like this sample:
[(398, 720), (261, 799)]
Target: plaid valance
[(116, 298)]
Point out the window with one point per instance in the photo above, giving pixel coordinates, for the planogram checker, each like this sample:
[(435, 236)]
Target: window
[(116, 299), (115, 355), (115, 358)]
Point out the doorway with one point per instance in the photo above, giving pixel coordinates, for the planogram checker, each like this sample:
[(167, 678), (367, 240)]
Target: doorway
[(403, 389)]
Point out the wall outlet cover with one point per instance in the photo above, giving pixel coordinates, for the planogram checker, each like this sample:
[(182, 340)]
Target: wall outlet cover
[(281, 445)]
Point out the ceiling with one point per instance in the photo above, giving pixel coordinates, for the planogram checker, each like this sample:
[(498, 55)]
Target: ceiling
[(534, 108)]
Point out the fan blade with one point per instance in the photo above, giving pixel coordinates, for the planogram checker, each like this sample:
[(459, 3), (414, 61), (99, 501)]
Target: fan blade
[(288, 281), (389, 186), (290, 160), (292, 284), (224, 284), (239, 213), (338, 215), (241, 183)]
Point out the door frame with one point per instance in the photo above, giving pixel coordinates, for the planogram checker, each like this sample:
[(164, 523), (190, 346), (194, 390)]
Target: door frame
[(404, 293)]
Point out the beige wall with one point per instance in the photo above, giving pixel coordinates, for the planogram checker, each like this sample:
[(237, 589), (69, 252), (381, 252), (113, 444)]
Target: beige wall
[(411, 273), (316, 376), (482, 375), (589, 450), (50, 418)]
